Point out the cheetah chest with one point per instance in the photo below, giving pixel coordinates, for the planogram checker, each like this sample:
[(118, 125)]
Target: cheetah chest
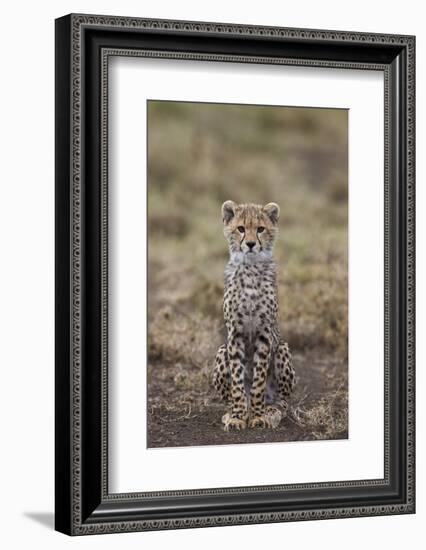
[(250, 302)]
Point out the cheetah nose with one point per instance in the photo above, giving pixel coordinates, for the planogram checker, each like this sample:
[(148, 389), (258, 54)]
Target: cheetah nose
[(250, 244)]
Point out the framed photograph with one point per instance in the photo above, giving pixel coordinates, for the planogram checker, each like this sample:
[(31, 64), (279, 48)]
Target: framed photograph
[(234, 274)]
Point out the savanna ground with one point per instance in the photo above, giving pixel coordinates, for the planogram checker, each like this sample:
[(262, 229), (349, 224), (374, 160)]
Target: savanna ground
[(200, 155)]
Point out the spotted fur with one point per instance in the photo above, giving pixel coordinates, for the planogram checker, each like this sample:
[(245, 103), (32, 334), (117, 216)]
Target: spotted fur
[(253, 370)]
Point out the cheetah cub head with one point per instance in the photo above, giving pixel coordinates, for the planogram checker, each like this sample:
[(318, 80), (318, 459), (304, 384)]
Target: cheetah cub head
[(250, 230)]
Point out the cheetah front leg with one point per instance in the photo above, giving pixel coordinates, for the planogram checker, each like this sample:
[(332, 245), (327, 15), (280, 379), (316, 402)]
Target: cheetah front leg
[(259, 417), (237, 418)]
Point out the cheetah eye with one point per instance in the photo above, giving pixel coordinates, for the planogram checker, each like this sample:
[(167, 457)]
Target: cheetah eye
[(260, 229), (241, 229)]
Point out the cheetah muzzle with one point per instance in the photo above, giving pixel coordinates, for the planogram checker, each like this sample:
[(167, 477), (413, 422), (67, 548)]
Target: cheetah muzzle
[(253, 371)]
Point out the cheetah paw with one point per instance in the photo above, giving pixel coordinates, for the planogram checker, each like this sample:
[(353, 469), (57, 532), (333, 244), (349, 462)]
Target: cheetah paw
[(258, 421), (273, 416), (233, 423), (271, 419)]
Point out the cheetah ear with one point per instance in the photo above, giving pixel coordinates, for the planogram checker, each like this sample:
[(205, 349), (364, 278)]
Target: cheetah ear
[(228, 211), (273, 211)]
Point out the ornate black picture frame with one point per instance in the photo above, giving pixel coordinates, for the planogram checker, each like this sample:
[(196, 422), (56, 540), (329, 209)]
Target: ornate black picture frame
[(84, 44)]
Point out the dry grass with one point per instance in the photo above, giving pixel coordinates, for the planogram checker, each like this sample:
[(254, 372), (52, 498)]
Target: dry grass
[(199, 156), (327, 418)]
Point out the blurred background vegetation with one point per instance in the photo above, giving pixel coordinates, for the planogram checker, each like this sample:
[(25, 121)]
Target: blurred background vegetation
[(200, 155)]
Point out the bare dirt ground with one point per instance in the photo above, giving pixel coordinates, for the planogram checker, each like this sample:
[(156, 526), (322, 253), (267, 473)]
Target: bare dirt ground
[(179, 415)]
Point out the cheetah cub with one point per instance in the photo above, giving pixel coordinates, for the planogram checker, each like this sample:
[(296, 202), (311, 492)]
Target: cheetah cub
[(253, 369)]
